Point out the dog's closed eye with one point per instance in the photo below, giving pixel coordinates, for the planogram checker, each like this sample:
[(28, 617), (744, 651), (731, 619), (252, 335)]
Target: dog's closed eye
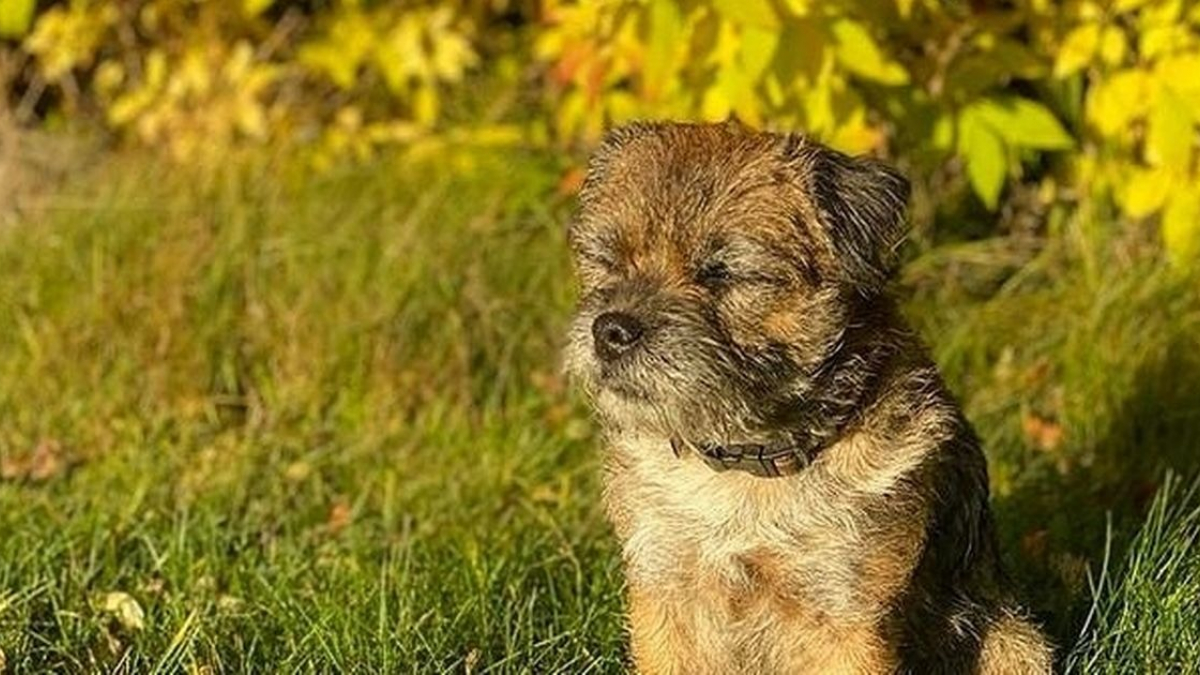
[(714, 275)]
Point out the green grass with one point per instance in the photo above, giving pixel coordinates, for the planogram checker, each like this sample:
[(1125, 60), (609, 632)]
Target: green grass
[(316, 424)]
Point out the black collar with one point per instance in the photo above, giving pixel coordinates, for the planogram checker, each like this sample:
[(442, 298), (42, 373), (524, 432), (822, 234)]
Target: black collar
[(762, 460)]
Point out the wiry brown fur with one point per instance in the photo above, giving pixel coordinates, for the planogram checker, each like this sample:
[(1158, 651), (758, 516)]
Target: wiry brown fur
[(755, 263)]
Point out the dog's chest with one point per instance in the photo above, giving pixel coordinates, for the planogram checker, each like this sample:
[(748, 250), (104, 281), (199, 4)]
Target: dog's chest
[(732, 537)]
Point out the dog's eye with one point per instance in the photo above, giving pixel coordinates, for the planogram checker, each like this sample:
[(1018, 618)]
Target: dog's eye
[(598, 260), (713, 274)]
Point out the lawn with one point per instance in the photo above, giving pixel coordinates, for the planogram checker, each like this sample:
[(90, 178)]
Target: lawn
[(270, 421)]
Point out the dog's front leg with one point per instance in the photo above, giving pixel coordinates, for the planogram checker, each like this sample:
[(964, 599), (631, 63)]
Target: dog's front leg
[(675, 635)]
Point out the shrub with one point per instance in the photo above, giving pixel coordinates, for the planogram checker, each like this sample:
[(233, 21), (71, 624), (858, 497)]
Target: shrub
[(1089, 103), (1099, 100)]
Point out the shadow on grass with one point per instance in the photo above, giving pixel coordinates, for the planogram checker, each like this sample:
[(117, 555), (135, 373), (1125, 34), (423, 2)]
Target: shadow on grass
[(1056, 528)]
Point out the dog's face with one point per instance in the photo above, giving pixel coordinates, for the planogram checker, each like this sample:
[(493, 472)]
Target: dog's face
[(719, 269)]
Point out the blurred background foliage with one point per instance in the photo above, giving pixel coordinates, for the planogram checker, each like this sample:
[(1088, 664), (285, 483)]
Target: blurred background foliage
[(1062, 110), (327, 275)]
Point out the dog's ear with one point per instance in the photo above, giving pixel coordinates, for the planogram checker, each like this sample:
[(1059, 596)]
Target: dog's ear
[(862, 203)]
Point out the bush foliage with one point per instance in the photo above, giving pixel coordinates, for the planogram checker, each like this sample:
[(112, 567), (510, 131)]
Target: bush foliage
[(1083, 102)]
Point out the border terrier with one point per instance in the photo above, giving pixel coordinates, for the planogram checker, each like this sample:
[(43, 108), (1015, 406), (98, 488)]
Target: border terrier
[(794, 488)]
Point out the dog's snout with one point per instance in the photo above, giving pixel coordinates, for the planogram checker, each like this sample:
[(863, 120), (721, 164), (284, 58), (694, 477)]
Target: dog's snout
[(616, 333)]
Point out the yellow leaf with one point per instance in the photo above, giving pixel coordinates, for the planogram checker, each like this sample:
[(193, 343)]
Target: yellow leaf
[(818, 106), (1159, 13), (758, 13), (859, 53), (983, 151), (855, 135), (255, 7), (717, 101), (943, 132), (757, 51), (1123, 6), (665, 33), (1169, 134), (341, 52), (1181, 227), (800, 7), (1118, 100), (1078, 49), (1144, 192), (425, 105), (1181, 74), (1113, 46), (124, 609), (622, 106), (1023, 123), (15, 17)]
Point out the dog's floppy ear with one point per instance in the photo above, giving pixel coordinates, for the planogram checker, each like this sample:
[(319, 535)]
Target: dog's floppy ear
[(862, 203)]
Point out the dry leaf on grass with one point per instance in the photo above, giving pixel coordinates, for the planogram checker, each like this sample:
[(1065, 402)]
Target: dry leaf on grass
[(339, 517), (44, 462), (1033, 543), (1044, 434), (122, 607)]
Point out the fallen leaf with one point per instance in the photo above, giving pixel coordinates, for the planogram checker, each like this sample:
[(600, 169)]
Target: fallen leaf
[(1037, 373), (154, 586), (1042, 433), (43, 463), (125, 610), (546, 381), (471, 661), (298, 471), (1033, 543), (229, 603), (339, 517), (557, 414)]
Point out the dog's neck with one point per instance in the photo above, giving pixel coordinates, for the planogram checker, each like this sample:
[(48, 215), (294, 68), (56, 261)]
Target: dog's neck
[(846, 385)]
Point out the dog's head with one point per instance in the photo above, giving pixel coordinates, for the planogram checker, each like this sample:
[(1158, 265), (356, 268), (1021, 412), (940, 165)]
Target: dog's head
[(719, 268)]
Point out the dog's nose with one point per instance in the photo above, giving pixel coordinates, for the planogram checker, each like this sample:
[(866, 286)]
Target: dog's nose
[(616, 333)]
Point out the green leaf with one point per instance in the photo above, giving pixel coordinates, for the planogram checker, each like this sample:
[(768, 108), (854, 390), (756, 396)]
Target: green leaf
[(758, 13), (943, 133), (859, 53), (1181, 227), (983, 151), (1024, 123), (15, 17), (803, 50)]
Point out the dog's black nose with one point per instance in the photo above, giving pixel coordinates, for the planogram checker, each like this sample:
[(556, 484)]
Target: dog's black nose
[(616, 333)]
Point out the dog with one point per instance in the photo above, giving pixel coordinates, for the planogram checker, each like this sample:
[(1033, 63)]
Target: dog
[(793, 487)]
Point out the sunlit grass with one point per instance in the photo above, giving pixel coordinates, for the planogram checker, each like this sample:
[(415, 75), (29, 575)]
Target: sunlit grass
[(316, 424)]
